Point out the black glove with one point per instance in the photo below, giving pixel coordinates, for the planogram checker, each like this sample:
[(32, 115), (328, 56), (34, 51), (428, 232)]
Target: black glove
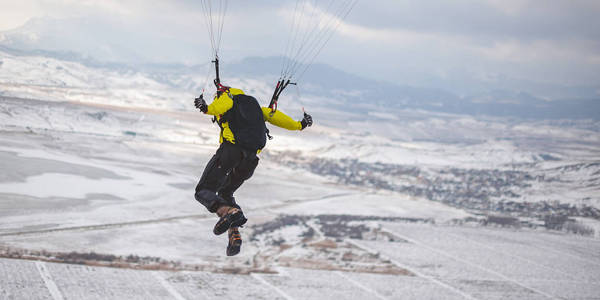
[(307, 121), (201, 104)]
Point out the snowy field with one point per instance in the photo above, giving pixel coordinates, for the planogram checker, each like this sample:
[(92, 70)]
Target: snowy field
[(96, 199), (438, 262)]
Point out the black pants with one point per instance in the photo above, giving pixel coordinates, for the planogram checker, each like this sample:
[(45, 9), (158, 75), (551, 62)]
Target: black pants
[(224, 174)]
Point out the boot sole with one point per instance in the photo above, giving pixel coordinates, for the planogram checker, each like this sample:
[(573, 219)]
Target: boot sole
[(235, 220), (234, 250)]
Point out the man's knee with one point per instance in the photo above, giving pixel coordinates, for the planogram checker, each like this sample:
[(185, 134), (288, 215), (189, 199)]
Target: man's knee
[(229, 199), (209, 199)]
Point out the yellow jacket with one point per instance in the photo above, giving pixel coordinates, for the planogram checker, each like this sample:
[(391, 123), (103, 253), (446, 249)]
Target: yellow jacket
[(224, 102)]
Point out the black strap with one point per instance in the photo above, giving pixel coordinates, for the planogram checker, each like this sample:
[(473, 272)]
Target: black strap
[(281, 85), (217, 80), (268, 135)]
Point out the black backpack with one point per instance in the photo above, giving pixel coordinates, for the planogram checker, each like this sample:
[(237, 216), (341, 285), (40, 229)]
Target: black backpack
[(247, 123)]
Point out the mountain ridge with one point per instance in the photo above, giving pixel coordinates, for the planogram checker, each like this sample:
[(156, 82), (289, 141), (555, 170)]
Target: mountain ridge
[(354, 92)]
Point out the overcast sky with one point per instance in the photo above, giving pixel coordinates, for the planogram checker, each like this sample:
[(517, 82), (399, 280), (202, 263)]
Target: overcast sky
[(407, 42)]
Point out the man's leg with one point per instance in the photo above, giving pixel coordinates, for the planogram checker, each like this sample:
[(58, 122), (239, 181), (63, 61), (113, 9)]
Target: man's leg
[(214, 176), (237, 177)]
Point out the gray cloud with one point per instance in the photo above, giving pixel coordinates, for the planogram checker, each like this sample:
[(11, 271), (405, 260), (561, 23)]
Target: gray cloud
[(524, 19)]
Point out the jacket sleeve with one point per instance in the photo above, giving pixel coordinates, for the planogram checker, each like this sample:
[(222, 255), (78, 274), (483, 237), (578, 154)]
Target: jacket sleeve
[(280, 119), (220, 105)]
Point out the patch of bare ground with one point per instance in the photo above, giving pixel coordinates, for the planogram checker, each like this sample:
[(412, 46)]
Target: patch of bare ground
[(322, 242), (330, 255)]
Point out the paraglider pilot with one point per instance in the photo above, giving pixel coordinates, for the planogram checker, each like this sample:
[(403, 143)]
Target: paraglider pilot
[(243, 135)]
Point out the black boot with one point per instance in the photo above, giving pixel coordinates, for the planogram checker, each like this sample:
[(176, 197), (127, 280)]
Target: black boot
[(235, 242), (235, 219)]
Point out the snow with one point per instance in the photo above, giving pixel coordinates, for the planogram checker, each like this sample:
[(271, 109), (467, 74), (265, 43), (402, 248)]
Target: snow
[(219, 286), (21, 280), (314, 284), (379, 204), (79, 282), (403, 287)]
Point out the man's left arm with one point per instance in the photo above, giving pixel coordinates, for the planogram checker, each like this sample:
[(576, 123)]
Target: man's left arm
[(282, 120)]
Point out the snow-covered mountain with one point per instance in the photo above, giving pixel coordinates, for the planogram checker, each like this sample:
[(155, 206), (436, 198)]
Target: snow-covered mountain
[(323, 87)]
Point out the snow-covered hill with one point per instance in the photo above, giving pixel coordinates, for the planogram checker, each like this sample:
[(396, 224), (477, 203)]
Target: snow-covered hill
[(323, 88)]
